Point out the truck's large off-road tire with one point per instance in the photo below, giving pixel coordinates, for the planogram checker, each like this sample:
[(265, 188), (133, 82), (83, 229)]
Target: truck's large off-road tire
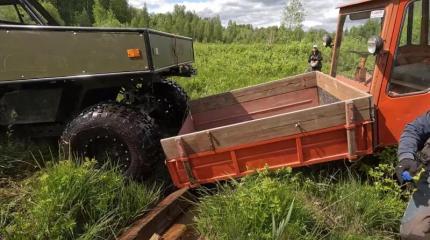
[(171, 105), (116, 133)]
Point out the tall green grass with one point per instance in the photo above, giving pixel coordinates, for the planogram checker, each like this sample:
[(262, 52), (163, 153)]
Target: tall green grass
[(255, 207), (67, 201), (17, 158), (224, 67)]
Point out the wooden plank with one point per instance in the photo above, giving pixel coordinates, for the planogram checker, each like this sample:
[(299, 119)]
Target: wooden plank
[(156, 237), (182, 229), (286, 85), (268, 128), (160, 218), (281, 126), (176, 232), (363, 108), (338, 89), (257, 109)]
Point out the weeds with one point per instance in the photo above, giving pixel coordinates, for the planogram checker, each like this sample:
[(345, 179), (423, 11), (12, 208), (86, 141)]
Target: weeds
[(18, 158), (307, 205), (67, 201), (251, 208)]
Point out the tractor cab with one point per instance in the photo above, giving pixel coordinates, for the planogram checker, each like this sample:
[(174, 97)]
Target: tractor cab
[(382, 47)]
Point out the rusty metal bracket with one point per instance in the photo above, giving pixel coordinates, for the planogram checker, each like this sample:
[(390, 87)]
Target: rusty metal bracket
[(185, 160), (211, 140), (350, 129)]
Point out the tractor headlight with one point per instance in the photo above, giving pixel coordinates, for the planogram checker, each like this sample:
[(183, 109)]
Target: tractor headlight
[(375, 44)]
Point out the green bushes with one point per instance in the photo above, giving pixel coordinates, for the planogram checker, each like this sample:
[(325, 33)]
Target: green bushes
[(66, 201), (345, 209)]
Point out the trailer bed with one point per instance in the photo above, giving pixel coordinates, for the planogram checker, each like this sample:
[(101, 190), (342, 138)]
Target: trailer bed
[(298, 121)]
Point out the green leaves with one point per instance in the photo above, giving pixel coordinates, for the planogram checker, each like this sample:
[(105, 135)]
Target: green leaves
[(279, 231)]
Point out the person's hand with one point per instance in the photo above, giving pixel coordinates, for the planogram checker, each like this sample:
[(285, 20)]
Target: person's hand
[(404, 167)]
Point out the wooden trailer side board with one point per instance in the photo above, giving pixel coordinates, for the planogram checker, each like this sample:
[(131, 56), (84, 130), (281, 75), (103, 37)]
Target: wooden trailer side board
[(337, 89), (297, 122), (264, 90), (256, 109), (269, 99)]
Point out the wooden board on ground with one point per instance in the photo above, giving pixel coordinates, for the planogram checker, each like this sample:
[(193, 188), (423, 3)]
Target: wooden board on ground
[(157, 221), (182, 229)]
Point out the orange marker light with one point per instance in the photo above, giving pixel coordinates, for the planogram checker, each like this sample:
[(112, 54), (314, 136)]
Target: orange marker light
[(134, 53)]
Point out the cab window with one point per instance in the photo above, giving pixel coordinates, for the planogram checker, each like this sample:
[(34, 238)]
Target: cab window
[(411, 68), (14, 14), (354, 61)]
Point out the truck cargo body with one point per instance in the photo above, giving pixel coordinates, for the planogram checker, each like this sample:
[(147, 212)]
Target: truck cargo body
[(49, 74), (42, 52), (298, 121)]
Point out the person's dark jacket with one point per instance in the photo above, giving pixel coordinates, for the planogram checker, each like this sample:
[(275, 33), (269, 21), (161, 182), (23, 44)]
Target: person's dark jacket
[(414, 137), (316, 57)]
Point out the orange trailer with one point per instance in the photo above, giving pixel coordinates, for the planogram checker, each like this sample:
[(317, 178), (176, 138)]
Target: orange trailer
[(313, 118)]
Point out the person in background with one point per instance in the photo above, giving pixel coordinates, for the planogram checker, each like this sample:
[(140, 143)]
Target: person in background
[(315, 59), (414, 156)]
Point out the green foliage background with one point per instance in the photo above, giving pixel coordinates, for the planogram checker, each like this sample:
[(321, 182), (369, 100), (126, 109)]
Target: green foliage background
[(224, 67)]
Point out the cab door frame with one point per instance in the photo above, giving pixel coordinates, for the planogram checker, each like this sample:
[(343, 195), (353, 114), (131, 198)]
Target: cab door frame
[(394, 112)]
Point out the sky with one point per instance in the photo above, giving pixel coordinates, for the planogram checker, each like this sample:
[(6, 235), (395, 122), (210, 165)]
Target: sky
[(259, 13)]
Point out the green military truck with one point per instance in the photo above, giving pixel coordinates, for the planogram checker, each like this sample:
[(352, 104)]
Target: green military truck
[(104, 91)]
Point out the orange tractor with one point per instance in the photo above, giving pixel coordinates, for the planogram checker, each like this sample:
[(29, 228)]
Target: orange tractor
[(379, 81)]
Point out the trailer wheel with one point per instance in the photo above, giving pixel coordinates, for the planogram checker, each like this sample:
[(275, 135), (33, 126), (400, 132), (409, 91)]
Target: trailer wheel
[(114, 134)]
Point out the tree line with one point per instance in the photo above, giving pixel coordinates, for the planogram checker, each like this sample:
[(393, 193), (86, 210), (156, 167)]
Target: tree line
[(118, 13)]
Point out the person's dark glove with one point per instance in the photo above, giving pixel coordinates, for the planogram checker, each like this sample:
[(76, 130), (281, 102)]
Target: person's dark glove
[(406, 166)]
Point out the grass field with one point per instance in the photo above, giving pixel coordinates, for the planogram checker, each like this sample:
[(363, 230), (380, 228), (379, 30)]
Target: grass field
[(363, 203), (224, 67)]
